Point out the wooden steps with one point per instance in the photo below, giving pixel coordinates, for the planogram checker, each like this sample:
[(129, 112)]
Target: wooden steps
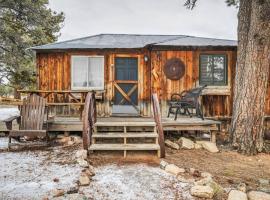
[(125, 136), (133, 147)]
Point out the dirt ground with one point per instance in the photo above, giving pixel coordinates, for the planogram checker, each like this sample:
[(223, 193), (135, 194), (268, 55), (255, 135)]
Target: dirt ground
[(31, 173), (228, 168)]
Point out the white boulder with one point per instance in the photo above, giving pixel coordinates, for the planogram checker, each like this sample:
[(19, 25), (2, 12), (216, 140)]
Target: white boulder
[(202, 191), (163, 164), (209, 146), (256, 195), (173, 169), (237, 195), (58, 192), (186, 143), (82, 162), (81, 154), (84, 180), (171, 144)]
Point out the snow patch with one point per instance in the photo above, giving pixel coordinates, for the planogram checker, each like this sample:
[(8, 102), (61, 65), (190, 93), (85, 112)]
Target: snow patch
[(8, 112), (137, 181)]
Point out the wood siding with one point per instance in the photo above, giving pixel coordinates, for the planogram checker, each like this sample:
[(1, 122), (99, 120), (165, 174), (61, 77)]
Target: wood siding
[(217, 100), (54, 73)]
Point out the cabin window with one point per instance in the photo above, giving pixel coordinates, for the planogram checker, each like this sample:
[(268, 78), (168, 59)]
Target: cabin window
[(88, 72), (213, 70)]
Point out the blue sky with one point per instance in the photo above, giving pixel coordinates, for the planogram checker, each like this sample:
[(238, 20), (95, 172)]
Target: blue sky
[(210, 18)]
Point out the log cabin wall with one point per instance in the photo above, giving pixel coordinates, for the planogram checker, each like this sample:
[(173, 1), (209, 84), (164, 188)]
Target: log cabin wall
[(54, 73), (217, 100)]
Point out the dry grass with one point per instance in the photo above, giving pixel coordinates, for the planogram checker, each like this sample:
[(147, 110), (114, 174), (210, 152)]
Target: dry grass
[(227, 167)]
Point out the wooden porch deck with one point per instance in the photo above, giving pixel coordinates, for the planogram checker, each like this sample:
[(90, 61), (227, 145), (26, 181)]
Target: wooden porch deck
[(169, 124)]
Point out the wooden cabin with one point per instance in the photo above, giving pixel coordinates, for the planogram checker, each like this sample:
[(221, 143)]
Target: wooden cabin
[(126, 69)]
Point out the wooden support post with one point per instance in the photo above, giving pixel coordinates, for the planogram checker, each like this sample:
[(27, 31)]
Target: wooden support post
[(158, 153), (213, 136), (66, 133)]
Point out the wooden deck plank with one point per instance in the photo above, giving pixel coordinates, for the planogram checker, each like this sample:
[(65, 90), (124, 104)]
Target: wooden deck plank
[(182, 123), (120, 147), (124, 135), (124, 123)]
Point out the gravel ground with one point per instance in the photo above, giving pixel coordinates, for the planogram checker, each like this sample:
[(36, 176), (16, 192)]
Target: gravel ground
[(31, 175)]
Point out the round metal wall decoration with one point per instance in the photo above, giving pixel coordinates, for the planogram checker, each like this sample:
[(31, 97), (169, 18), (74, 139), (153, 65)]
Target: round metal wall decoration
[(174, 69)]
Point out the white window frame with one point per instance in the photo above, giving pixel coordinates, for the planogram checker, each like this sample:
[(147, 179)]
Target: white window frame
[(86, 88)]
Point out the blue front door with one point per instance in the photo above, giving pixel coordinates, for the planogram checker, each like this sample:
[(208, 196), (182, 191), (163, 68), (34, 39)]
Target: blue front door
[(126, 84)]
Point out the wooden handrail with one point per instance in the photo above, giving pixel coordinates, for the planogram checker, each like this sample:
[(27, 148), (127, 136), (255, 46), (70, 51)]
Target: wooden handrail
[(89, 118), (157, 117)]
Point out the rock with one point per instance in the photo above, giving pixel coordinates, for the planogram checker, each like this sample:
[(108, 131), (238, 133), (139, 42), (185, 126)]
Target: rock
[(173, 169), (171, 144), (186, 143), (58, 192), (237, 195), (242, 187), (63, 140), (70, 143), (191, 170), (256, 195), (81, 154), (209, 146), (184, 180), (82, 163), (197, 146), (202, 191), (73, 190), (163, 164), (76, 196), (76, 139), (84, 180), (45, 198), (218, 190), (88, 172), (205, 181), (263, 181), (56, 180), (194, 172), (206, 174), (208, 181)]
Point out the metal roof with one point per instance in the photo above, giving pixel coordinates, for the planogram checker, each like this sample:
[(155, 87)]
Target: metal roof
[(122, 41)]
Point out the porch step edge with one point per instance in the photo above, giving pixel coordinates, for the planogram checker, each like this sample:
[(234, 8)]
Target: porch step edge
[(135, 147), (125, 135), (122, 124)]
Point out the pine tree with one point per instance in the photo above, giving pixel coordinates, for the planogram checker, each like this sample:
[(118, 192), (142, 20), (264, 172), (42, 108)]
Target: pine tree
[(252, 74), (23, 24)]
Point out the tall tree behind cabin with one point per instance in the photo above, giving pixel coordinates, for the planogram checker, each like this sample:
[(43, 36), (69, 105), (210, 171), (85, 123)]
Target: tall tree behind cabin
[(24, 23), (252, 74)]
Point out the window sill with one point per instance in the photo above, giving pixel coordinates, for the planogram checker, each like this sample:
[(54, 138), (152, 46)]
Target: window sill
[(217, 90)]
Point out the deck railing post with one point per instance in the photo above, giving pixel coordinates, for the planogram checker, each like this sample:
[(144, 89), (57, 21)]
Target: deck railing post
[(157, 117), (89, 118)]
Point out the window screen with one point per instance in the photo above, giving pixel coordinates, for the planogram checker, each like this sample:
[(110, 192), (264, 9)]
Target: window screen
[(213, 70), (87, 72)]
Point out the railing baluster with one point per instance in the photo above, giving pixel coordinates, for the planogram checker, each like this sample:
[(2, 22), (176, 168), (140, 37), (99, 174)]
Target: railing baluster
[(157, 117)]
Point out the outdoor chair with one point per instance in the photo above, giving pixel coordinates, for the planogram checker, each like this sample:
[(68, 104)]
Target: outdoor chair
[(31, 119), (185, 102)]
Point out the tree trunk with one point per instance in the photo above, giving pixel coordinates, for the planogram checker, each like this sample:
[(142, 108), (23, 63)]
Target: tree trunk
[(252, 73), (17, 95)]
